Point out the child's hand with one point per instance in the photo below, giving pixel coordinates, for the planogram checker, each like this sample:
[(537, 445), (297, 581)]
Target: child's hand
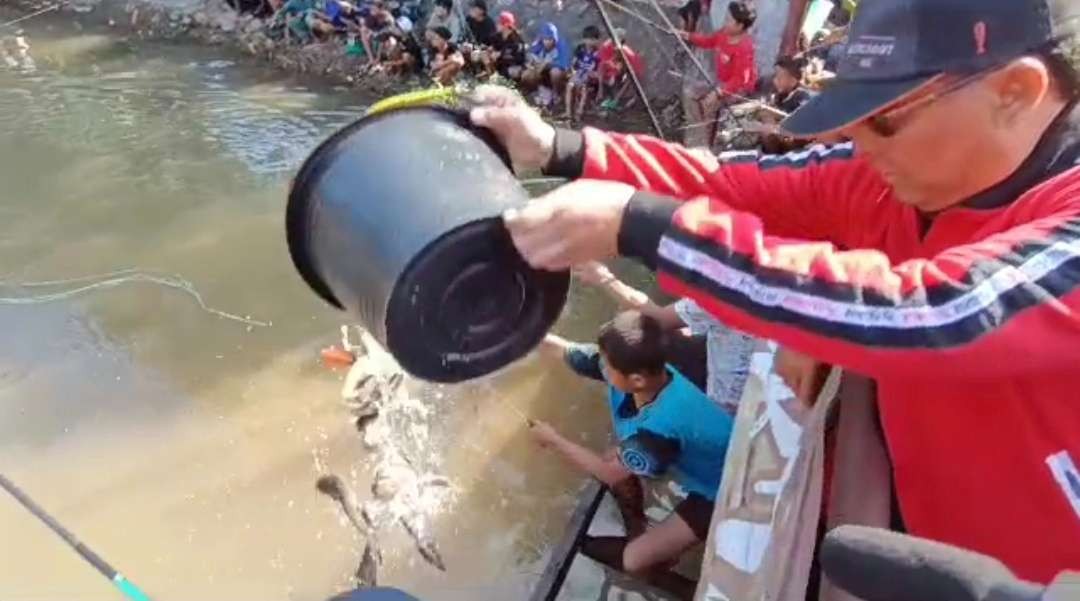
[(553, 347), (543, 434), (593, 273)]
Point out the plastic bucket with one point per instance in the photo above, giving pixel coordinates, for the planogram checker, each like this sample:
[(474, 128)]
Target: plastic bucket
[(396, 219)]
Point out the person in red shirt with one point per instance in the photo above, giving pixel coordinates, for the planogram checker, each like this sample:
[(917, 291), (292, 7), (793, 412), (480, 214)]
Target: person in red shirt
[(614, 77), (937, 253), (736, 70)]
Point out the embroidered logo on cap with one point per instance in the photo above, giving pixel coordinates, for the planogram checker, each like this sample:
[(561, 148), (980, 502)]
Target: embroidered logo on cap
[(870, 48), (980, 38)]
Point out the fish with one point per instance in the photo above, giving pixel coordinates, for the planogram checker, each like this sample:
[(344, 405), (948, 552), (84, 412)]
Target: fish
[(332, 486), (425, 543), (359, 388), (367, 573), (434, 480), (364, 421)]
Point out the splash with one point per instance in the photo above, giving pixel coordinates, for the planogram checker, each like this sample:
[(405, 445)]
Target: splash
[(394, 427)]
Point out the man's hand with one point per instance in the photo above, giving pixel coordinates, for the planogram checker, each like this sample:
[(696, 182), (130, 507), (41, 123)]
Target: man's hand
[(528, 139), (543, 434), (593, 273), (573, 224)]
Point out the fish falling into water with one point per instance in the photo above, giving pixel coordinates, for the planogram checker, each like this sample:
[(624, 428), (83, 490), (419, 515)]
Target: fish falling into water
[(367, 573), (372, 392)]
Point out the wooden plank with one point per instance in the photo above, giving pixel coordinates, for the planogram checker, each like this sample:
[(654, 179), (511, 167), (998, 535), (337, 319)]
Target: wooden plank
[(563, 553)]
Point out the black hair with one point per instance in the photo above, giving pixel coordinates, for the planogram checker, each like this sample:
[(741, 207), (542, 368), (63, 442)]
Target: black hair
[(447, 4), (481, 4), (591, 32), (793, 65), (1062, 59), (633, 343), (443, 33), (743, 14)]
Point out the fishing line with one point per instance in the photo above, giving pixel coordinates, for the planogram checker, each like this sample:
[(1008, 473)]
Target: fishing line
[(112, 280)]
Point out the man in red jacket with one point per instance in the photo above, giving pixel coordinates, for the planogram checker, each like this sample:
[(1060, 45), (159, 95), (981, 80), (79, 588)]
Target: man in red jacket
[(939, 253)]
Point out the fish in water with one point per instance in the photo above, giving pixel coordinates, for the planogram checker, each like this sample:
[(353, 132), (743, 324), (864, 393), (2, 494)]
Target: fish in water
[(373, 393), (367, 573), (415, 525), (332, 486)]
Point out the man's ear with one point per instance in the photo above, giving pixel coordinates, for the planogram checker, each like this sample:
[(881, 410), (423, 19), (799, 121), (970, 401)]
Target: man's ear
[(1018, 87)]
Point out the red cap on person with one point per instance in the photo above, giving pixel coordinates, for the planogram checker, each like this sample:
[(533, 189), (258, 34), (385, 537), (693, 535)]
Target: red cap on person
[(507, 19)]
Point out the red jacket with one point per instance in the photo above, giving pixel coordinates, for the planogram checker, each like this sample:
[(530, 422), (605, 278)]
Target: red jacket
[(736, 72), (971, 329)]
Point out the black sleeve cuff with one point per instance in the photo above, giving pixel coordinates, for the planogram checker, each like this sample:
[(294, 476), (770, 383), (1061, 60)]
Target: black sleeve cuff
[(646, 218), (568, 154)]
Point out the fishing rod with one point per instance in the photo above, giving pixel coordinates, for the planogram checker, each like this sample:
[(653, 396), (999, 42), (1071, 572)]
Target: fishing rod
[(126, 587), (30, 16), (758, 104), (617, 43)]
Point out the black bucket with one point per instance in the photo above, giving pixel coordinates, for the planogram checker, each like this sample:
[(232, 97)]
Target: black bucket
[(396, 219)]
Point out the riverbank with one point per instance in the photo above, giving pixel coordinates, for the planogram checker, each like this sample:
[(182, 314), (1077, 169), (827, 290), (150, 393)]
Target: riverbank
[(215, 23)]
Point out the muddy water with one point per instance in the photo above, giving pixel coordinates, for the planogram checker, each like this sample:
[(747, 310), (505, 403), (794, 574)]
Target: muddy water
[(182, 445)]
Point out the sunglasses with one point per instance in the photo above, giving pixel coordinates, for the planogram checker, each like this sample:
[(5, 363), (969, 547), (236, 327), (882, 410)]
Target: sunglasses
[(888, 123)]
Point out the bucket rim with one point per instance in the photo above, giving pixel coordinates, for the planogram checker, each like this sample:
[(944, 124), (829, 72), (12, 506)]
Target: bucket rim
[(297, 208)]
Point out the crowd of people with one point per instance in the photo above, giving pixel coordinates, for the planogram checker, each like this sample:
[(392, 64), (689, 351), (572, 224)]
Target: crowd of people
[(927, 242), (449, 42)]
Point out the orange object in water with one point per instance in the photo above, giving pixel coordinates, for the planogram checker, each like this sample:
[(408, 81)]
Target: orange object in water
[(335, 356)]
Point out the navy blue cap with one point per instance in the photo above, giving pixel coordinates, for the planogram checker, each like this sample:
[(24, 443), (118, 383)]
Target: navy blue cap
[(896, 47)]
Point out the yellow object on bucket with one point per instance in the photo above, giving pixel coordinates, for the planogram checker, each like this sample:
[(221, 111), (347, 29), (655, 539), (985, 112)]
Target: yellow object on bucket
[(439, 95)]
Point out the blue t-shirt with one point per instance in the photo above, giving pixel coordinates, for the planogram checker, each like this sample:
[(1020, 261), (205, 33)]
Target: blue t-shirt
[(586, 59), (681, 431)]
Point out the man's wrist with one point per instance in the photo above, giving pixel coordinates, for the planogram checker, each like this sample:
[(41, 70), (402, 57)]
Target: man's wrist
[(566, 155), (645, 220)]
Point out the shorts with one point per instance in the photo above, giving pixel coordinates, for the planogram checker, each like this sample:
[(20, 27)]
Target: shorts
[(697, 512), (689, 355), (545, 76), (691, 11), (585, 78)]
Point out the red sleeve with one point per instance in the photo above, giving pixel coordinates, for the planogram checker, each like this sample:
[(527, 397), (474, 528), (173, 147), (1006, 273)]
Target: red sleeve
[(738, 246), (837, 193), (1000, 306), (704, 40)]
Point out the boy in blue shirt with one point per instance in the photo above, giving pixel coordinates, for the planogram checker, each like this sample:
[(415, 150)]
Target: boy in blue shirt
[(586, 74), (664, 425)]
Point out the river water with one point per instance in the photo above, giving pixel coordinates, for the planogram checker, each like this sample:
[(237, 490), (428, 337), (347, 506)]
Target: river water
[(183, 445)]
